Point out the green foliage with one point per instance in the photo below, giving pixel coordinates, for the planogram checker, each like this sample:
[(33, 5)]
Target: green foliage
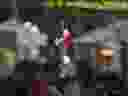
[(55, 3), (7, 55), (99, 5)]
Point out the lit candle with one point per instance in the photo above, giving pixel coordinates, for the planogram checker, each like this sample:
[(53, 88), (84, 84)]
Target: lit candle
[(107, 52)]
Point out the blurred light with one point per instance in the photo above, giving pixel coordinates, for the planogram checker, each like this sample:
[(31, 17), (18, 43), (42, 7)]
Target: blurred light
[(28, 24)]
